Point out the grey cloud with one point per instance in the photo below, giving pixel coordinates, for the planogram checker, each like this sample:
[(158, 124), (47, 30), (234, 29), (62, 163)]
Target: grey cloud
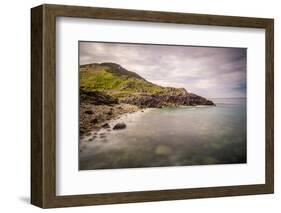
[(207, 71)]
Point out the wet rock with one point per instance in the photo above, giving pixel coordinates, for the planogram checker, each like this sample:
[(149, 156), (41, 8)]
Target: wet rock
[(208, 102), (91, 139), (106, 126), (119, 126), (102, 135)]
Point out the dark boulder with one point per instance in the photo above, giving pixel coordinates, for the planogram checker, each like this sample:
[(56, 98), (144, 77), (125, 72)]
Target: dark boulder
[(119, 126)]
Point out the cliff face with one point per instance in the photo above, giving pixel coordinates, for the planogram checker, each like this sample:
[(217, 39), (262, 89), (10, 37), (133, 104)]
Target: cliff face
[(109, 83)]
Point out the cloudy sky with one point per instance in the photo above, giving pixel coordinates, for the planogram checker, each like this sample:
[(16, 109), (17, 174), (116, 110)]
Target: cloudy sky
[(206, 71)]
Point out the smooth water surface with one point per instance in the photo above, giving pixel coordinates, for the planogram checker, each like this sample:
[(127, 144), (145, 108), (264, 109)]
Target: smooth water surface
[(197, 135)]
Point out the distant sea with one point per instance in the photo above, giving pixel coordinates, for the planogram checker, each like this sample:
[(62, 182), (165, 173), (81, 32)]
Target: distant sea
[(183, 136)]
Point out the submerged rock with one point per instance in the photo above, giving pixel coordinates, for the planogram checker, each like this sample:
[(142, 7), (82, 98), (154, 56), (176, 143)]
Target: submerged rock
[(102, 135), (119, 126)]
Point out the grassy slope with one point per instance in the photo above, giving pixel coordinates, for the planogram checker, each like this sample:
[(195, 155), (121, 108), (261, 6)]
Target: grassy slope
[(114, 81)]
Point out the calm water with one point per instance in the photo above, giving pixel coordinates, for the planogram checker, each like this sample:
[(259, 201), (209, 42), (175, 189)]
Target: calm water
[(171, 137)]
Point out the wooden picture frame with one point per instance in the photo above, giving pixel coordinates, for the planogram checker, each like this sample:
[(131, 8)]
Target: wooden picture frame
[(43, 105)]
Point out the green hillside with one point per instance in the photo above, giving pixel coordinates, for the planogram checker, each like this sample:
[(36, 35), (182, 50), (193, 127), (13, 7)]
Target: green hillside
[(114, 80), (110, 79)]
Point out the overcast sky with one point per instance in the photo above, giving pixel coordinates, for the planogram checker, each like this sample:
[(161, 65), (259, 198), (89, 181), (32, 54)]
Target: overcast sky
[(209, 72)]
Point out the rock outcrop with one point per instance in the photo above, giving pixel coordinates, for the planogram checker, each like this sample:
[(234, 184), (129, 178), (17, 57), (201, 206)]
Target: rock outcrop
[(97, 98), (159, 100)]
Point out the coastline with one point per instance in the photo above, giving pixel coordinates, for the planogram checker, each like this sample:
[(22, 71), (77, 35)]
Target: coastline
[(95, 117), (100, 134)]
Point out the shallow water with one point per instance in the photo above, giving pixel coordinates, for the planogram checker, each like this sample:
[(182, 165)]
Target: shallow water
[(197, 135)]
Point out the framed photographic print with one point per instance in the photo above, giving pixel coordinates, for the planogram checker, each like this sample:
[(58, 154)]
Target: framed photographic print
[(136, 106)]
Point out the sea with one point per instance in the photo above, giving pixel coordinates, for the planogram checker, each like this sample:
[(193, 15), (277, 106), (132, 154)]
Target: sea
[(174, 136)]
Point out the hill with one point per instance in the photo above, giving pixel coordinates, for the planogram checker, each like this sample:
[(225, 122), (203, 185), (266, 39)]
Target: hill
[(113, 80)]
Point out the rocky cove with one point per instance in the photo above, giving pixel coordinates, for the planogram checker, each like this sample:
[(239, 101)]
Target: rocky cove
[(97, 109), (167, 136), (107, 91)]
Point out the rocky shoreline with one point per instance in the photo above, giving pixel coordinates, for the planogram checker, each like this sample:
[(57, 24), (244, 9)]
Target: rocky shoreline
[(95, 117), (98, 109), (172, 98), (107, 91)]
